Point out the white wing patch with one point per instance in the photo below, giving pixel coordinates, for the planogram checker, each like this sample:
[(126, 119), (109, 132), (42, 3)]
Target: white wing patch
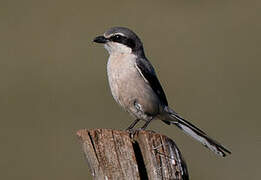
[(141, 73)]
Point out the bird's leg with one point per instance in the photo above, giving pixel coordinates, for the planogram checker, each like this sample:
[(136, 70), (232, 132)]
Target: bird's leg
[(146, 124), (132, 125)]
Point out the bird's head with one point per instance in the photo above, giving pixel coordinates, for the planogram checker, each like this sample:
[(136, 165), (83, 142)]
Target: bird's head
[(120, 40)]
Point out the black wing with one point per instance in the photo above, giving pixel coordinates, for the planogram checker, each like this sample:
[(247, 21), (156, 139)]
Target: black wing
[(148, 72)]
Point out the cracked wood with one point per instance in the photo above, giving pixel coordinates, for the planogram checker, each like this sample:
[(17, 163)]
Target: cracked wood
[(114, 154)]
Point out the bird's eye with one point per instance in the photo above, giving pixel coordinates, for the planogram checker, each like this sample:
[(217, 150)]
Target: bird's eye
[(116, 38)]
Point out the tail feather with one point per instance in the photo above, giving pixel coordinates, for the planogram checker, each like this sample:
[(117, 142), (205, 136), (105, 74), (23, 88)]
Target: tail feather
[(196, 133)]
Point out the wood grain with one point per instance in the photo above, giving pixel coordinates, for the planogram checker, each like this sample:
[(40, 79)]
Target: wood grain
[(114, 154)]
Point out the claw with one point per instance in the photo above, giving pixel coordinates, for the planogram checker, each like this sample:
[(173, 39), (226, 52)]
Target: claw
[(132, 132)]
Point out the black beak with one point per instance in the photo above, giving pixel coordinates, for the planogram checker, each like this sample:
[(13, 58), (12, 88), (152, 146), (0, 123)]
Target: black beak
[(100, 39)]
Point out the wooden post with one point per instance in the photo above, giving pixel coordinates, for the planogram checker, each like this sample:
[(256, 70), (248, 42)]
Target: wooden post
[(114, 154)]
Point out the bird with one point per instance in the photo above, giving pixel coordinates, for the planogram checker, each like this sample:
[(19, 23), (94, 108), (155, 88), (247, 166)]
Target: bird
[(135, 87)]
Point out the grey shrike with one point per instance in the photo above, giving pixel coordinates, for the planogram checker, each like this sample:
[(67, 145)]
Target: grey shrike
[(136, 88)]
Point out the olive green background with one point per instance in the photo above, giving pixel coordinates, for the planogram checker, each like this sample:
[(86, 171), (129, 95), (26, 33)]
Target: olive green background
[(53, 81)]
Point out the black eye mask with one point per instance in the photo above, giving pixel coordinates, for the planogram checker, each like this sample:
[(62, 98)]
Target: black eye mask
[(123, 40)]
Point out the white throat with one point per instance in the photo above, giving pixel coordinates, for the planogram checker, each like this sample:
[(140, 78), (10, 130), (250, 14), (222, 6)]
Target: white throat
[(117, 48)]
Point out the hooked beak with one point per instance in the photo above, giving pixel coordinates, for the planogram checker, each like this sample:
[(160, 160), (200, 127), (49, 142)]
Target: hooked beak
[(100, 39)]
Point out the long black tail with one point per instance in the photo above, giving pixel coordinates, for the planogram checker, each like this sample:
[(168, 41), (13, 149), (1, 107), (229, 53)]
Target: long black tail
[(195, 132)]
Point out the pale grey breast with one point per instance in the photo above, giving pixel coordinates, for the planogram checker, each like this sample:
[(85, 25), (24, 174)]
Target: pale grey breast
[(128, 86)]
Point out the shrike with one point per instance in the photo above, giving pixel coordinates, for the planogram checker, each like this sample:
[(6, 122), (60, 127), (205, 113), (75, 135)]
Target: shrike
[(136, 88)]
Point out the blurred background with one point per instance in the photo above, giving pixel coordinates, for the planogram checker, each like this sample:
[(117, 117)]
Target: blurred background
[(53, 81)]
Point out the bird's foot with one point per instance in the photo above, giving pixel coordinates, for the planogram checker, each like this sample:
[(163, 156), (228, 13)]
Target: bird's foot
[(133, 132)]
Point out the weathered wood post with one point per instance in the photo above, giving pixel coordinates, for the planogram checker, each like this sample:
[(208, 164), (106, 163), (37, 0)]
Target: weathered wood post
[(114, 154)]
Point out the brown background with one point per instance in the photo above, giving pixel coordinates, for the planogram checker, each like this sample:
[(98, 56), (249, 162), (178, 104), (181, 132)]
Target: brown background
[(53, 81)]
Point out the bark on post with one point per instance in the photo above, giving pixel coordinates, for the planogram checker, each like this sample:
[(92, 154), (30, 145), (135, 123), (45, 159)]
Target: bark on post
[(114, 154)]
